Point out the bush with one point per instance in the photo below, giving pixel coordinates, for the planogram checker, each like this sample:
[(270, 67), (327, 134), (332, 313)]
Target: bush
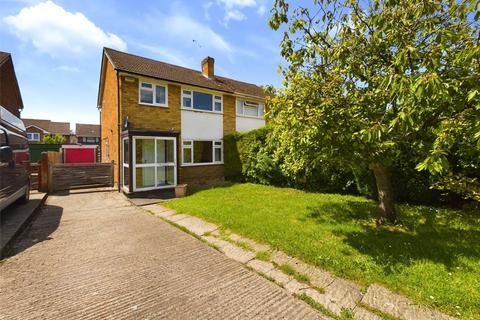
[(249, 158)]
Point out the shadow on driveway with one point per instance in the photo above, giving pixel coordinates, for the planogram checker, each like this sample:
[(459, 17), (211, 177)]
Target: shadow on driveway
[(40, 230)]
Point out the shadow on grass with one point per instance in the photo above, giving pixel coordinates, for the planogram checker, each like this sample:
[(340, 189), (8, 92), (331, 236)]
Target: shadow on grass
[(440, 236)]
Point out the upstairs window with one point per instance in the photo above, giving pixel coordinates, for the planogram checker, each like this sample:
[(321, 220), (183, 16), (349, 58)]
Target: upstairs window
[(33, 136), (201, 101), (153, 94), (249, 108)]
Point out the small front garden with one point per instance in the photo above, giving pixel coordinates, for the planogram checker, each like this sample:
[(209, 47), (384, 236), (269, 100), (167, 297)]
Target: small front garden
[(432, 256)]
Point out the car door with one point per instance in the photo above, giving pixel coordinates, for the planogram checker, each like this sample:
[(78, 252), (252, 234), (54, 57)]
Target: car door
[(6, 177), (21, 156)]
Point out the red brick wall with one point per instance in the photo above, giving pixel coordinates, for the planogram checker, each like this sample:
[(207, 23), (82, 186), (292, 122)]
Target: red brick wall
[(9, 92), (109, 118)]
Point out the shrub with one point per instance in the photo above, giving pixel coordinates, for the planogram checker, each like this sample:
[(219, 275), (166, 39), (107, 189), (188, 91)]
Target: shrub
[(249, 158)]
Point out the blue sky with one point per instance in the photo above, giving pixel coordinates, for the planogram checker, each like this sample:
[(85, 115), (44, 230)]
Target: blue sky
[(57, 45)]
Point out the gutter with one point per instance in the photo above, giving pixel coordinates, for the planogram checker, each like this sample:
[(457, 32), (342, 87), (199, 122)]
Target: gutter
[(119, 129)]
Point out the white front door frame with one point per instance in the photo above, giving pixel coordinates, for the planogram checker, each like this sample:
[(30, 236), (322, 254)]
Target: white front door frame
[(153, 165)]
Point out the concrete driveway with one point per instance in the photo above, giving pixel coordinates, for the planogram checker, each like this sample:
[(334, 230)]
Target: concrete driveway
[(95, 256)]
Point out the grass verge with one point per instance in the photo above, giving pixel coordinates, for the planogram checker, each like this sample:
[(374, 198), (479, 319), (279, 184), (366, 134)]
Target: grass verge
[(433, 257)]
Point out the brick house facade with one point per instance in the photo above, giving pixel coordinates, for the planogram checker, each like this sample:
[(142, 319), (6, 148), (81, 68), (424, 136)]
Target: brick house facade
[(37, 129), (163, 125)]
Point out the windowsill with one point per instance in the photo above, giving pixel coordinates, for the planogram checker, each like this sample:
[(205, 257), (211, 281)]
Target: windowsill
[(153, 105), (155, 188), (250, 117), (201, 111), (200, 164)]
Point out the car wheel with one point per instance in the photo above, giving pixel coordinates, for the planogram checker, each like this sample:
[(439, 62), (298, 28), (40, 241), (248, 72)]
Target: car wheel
[(26, 197)]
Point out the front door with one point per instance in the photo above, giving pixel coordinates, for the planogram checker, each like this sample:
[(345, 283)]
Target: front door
[(154, 163)]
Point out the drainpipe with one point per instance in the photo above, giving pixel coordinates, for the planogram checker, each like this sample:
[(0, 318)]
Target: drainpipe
[(119, 130)]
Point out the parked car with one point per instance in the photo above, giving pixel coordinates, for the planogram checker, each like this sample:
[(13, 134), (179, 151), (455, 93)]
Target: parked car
[(14, 160)]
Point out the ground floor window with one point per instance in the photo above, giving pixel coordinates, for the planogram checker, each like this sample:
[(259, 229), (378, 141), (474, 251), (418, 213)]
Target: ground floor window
[(202, 152), (125, 164), (154, 162)]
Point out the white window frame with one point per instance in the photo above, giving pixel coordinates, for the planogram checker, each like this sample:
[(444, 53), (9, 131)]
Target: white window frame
[(125, 164), (216, 97), (244, 102), (154, 92), (190, 146), (155, 164), (36, 134)]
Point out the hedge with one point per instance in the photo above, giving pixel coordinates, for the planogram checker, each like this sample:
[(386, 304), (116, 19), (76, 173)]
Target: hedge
[(248, 158)]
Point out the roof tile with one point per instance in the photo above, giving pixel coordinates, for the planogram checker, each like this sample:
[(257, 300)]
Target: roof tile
[(87, 130), (49, 126), (165, 71)]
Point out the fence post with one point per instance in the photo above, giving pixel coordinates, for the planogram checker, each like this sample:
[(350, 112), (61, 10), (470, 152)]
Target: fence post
[(50, 177), (43, 173)]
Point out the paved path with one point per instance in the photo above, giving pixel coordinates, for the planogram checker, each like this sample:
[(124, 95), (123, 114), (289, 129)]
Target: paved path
[(95, 256)]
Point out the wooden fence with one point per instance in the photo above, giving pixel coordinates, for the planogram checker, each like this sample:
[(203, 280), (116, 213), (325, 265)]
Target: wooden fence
[(65, 176), (33, 173)]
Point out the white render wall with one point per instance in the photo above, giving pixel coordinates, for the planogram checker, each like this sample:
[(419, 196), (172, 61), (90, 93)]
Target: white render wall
[(244, 124), (201, 125)]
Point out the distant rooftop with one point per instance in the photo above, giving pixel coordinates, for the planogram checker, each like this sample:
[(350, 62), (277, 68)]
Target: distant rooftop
[(49, 126)]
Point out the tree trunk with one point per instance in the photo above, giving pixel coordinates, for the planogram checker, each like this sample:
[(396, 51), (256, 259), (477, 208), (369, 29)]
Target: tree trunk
[(386, 203)]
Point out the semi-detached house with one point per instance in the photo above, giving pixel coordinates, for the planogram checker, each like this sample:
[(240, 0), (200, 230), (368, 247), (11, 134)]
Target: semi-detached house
[(163, 125)]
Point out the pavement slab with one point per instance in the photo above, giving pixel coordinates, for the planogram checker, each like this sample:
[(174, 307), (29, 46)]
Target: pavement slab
[(159, 211), (279, 277), (318, 278), (280, 258), (196, 225), (260, 266), (177, 217), (363, 314), (296, 287), (324, 300), (91, 256), (253, 244), (345, 293), (398, 306)]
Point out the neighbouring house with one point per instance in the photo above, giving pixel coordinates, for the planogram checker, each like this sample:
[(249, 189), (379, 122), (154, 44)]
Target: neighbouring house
[(87, 133), (10, 97), (37, 129), (163, 124)]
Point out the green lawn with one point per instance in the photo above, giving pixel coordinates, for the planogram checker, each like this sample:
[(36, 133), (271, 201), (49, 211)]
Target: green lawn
[(434, 257)]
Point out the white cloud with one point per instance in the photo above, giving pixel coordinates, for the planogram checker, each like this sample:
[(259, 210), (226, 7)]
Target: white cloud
[(234, 15), (168, 55), (261, 10), (68, 69), (232, 9), (206, 9), (187, 29), (238, 3), (53, 30)]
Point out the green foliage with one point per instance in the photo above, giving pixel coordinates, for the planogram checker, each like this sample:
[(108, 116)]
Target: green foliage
[(53, 139), (249, 157), (435, 252), (364, 79)]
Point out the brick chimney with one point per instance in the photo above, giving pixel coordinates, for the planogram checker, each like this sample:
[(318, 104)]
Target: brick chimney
[(207, 67)]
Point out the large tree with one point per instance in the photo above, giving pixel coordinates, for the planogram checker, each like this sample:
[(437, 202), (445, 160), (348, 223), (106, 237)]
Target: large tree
[(364, 78)]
